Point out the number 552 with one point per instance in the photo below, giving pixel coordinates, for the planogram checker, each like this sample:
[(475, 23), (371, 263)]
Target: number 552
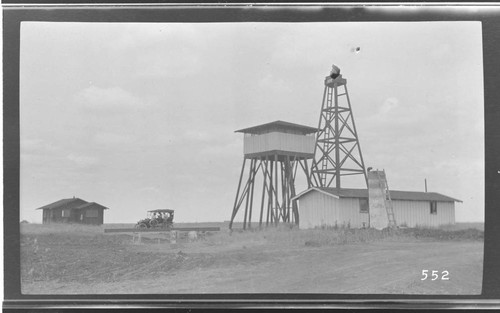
[(434, 275)]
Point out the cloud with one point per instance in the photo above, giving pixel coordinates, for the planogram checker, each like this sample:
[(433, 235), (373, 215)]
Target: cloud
[(37, 146), (114, 99), (167, 63), (134, 35), (197, 135), (38, 153), (295, 44), (158, 50), (232, 148), (396, 117), (105, 138), (389, 105), (82, 160), (269, 82), (150, 189)]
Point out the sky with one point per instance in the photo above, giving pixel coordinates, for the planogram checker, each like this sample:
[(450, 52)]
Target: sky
[(142, 116)]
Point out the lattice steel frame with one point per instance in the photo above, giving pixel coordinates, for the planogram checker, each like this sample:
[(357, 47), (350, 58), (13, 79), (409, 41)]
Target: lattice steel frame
[(336, 140)]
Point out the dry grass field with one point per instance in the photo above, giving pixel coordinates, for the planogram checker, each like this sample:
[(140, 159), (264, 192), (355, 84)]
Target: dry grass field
[(75, 259)]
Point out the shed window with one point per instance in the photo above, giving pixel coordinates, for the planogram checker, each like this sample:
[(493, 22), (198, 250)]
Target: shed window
[(433, 206), (363, 205), (65, 212), (91, 213)]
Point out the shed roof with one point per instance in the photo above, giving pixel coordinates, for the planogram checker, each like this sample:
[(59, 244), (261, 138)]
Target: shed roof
[(395, 194), (90, 204), (63, 202), (278, 125), (75, 203)]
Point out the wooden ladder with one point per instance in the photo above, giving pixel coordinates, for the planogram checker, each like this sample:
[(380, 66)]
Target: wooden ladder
[(388, 200)]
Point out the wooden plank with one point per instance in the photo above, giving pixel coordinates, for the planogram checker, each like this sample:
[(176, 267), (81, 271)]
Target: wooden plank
[(158, 230), (279, 141)]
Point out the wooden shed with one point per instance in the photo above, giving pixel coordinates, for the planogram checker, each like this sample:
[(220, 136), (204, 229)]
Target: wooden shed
[(279, 137), (329, 207), (73, 210)]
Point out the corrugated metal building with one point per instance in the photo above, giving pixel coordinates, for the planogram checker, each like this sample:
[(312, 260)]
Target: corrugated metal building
[(329, 206), (73, 210)]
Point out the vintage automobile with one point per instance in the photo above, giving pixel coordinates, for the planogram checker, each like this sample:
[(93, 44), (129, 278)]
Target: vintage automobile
[(161, 218)]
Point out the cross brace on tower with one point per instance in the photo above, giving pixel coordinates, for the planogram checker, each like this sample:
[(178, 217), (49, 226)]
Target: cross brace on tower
[(337, 151), (278, 188), (275, 152)]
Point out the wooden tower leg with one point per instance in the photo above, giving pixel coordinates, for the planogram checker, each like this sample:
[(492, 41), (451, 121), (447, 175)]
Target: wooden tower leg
[(235, 207), (295, 209), (246, 193), (255, 169), (264, 185), (283, 191), (249, 192), (270, 218), (292, 170), (249, 185), (278, 189), (276, 202)]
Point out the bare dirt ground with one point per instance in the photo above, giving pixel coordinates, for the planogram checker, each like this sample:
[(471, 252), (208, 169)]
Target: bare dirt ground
[(286, 261)]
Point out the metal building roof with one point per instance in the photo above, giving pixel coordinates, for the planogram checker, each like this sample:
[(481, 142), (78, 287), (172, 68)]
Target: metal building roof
[(278, 125), (395, 194)]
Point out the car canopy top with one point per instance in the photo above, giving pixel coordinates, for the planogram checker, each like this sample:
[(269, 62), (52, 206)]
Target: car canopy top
[(161, 211)]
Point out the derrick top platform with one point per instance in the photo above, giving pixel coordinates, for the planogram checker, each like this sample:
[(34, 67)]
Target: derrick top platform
[(278, 126), (339, 81)]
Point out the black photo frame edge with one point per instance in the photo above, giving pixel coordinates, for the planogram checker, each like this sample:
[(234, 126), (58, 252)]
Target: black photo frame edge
[(14, 15)]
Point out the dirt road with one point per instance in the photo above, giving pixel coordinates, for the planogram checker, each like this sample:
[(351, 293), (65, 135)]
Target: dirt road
[(113, 265)]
